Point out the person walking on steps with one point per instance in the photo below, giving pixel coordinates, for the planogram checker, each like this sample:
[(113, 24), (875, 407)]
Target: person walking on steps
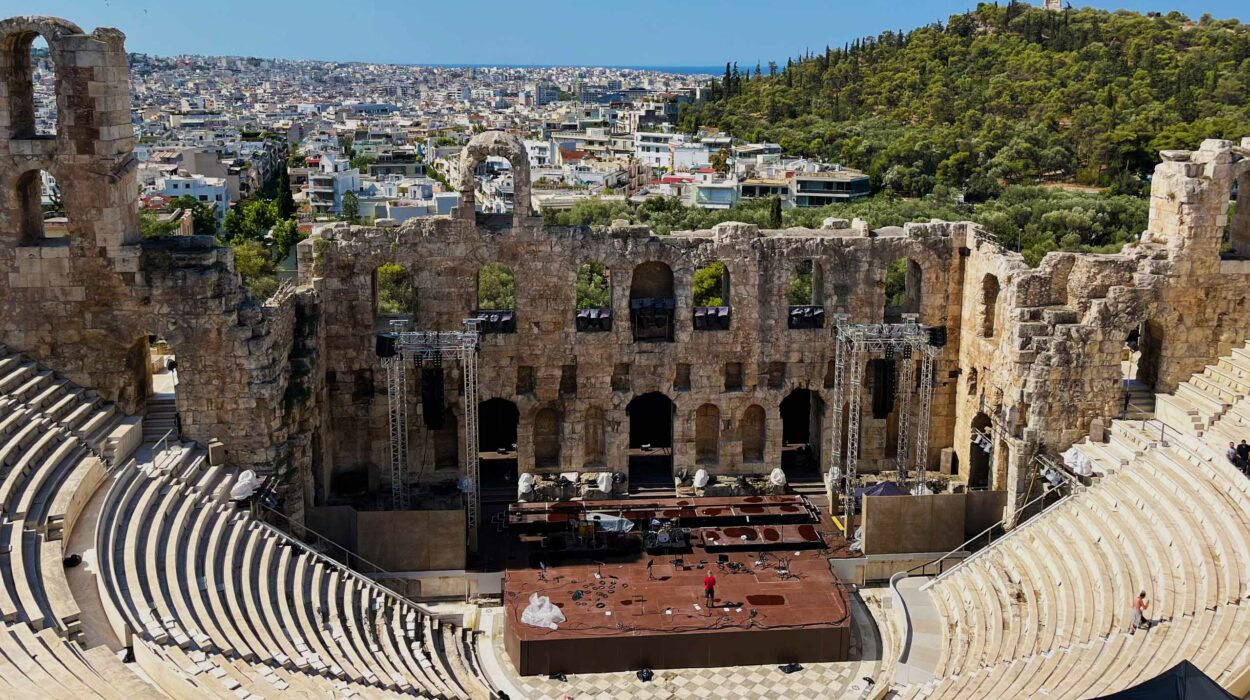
[(1140, 606)]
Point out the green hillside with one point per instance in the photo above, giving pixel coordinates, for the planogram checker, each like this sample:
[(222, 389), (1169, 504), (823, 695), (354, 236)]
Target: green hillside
[(1004, 94)]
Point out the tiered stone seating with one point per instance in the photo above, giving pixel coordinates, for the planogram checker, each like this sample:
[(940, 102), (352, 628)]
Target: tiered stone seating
[(51, 437), (227, 605), (1045, 611)]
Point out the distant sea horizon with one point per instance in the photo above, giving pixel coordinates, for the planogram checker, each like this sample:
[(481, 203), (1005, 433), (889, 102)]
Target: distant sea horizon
[(676, 70)]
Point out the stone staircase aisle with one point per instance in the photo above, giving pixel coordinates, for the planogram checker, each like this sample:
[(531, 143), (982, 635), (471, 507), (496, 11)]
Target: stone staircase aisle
[(159, 419)]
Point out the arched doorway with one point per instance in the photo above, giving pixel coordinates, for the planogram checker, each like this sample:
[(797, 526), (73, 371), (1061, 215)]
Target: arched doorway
[(751, 433), (979, 452), (496, 441), (1139, 369), (500, 145), (650, 441), (802, 418)]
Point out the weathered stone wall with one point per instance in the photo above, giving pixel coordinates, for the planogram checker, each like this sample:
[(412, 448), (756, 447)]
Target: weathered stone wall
[(1054, 366), (86, 304), (443, 257)]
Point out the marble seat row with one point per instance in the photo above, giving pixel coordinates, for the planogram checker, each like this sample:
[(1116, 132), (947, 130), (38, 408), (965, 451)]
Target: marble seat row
[(192, 576), (1046, 610), (51, 432)]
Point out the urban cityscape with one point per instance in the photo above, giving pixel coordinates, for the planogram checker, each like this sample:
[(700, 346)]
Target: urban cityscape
[(886, 367)]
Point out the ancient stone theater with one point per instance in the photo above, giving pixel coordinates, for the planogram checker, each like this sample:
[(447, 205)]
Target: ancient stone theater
[(959, 495)]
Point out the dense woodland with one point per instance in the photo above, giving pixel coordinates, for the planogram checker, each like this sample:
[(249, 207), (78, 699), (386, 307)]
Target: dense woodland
[(1004, 94), (984, 118)]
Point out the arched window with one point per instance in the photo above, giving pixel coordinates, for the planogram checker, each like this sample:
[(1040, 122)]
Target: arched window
[(751, 432), (546, 438), (394, 293), (989, 305), (32, 85), (707, 434), (513, 189), (902, 289), (496, 288), (38, 202)]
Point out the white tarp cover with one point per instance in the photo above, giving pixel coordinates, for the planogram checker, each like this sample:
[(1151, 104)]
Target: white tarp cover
[(244, 486), (525, 484), (701, 478), (610, 523), (604, 482), (778, 477), (541, 612), (1078, 462)]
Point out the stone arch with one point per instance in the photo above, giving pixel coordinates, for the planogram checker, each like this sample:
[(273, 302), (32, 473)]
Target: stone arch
[(904, 287), (751, 432), (594, 438), (990, 289), (27, 199), (707, 434), (503, 145), (651, 280), (17, 36), (546, 438), (802, 414)]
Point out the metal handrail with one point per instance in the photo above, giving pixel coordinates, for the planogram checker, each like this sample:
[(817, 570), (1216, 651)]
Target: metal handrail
[(346, 568), (1075, 485)]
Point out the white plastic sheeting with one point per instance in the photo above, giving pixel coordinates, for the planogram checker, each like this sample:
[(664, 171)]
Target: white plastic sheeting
[(541, 612), (244, 486), (777, 477), (610, 523), (604, 482), (1078, 462), (701, 478), (525, 484)]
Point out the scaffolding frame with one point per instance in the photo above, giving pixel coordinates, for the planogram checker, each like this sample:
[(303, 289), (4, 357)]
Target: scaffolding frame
[(436, 347), (854, 345)]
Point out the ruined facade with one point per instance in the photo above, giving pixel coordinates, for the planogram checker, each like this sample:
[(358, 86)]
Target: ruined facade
[(292, 384)]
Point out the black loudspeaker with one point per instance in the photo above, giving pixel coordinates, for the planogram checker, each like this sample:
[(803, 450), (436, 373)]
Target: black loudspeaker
[(937, 336), (386, 345), (883, 384), (432, 396)]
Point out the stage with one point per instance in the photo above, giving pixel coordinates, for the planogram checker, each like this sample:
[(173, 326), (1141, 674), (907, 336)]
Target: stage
[(646, 609)]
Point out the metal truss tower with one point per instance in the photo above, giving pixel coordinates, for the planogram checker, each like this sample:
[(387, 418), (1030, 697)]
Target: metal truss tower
[(434, 347), (855, 344)]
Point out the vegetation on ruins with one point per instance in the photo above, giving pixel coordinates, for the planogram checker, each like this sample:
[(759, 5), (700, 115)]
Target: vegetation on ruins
[(708, 285), (396, 295), (496, 288), (594, 291), (1032, 220), (1003, 94)]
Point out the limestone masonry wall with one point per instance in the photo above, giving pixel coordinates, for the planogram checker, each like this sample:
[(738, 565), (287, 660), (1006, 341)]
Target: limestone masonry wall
[(292, 385)]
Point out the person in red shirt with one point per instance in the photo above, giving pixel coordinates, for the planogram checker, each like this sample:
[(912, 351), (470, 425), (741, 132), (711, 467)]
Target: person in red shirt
[(709, 589)]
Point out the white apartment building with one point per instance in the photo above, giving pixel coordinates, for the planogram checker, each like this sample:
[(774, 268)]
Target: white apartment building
[(212, 191), (327, 185)]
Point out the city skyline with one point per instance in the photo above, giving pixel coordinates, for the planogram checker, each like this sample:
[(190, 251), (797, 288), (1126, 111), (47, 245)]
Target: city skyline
[(694, 34)]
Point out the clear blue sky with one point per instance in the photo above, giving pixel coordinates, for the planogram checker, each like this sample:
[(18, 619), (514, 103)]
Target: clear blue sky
[(560, 32)]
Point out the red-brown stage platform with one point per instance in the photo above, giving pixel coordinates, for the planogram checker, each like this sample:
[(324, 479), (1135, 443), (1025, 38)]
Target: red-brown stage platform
[(641, 611)]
